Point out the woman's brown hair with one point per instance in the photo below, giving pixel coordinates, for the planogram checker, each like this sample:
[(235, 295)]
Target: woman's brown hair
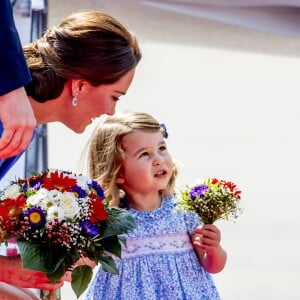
[(89, 45)]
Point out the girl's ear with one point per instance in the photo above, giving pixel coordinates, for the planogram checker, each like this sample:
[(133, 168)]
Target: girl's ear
[(120, 177)]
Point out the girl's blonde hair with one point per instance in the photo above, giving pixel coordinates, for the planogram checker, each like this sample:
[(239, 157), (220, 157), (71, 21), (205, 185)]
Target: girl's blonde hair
[(105, 153)]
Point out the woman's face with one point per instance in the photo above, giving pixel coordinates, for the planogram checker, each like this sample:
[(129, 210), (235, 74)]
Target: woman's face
[(96, 101)]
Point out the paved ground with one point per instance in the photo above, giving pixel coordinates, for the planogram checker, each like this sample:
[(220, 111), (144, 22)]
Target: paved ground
[(230, 98)]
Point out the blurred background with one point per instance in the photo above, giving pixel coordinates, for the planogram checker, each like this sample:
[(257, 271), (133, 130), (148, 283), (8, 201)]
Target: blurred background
[(224, 78)]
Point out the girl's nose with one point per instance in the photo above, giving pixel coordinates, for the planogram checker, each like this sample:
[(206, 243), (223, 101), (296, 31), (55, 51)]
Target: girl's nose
[(157, 160)]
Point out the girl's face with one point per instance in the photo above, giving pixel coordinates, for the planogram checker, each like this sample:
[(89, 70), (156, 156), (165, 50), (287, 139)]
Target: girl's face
[(96, 101), (147, 166)]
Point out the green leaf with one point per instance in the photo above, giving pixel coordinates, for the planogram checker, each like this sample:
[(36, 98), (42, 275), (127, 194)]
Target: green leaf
[(39, 258), (120, 221), (112, 245), (81, 277), (108, 264)]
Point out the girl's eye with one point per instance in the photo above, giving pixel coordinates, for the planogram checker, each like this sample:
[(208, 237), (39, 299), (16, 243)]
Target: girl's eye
[(162, 148), (144, 154), (116, 98)]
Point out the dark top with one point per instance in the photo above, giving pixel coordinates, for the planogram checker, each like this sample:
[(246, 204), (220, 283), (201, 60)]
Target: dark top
[(14, 72)]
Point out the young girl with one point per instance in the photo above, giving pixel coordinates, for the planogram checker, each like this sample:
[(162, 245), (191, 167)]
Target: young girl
[(170, 254)]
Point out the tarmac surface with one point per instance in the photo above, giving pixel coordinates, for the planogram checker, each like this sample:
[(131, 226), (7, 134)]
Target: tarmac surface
[(230, 99)]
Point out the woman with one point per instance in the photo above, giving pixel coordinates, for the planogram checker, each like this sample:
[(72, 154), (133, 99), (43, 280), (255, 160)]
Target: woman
[(79, 71), (15, 110)]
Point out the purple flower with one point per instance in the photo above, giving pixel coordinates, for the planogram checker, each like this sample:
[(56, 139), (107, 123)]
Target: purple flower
[(98, 189), (79, 191), (89, 229), (198, 191), (34, 184), (36, 217)]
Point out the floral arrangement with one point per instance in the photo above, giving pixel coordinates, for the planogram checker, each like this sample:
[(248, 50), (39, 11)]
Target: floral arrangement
[(212, 200), (57, 218)]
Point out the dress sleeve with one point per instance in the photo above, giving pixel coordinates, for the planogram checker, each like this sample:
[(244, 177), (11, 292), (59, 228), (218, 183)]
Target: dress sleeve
[(14, 72), (192, 221)]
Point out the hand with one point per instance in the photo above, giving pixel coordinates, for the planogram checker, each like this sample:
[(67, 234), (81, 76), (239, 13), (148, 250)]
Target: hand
[(13, 273), (18, 123), (207, 238), (9, 292), (80, 262), (207, 244)]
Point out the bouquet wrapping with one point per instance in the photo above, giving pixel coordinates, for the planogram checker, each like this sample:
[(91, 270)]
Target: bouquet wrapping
[(212, 200), (59, 217)]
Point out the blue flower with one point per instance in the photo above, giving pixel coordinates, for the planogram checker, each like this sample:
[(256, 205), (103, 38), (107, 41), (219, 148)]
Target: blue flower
[(198, 191), (89, 229), (36, 217), (79, 191), (34, 184), (98, 189)]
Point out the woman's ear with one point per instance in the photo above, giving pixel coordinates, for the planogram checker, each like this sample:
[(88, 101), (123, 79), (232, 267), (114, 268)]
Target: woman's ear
[(77, 85)]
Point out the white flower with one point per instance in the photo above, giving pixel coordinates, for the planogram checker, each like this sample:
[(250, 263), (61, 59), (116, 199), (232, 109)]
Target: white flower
[(55, 212), (55, 196), (69, 205), (39, 198), (83, 181), (33, 200), (11, 192)]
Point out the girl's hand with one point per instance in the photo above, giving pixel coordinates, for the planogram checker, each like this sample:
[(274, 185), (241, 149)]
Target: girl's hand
[(207, 238), (207, 243)]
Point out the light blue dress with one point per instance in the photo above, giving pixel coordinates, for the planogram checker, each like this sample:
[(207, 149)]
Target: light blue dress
[(159, 262)]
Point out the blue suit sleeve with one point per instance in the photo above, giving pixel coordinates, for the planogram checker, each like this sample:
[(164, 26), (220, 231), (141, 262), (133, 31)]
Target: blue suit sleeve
[(14, 72)]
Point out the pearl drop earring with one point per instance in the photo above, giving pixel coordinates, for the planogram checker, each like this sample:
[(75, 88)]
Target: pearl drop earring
[(75, 99)]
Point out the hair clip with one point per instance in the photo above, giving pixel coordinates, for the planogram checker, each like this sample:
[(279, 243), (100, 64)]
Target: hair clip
[(164, 130)]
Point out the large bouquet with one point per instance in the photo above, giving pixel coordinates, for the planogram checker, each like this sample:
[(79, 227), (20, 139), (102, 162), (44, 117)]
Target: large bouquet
[(212, 200), (59, 217)]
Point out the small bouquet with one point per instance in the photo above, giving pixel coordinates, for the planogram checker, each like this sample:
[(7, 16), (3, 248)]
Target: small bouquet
[(212, 200), (57, 218)]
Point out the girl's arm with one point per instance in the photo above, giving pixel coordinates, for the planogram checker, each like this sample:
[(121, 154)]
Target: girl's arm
[(206, 241)]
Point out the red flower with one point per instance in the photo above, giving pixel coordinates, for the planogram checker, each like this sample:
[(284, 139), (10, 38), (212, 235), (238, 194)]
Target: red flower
[(10, 208), (233, 188), (97, 210), (214, 181), (59, 181)]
